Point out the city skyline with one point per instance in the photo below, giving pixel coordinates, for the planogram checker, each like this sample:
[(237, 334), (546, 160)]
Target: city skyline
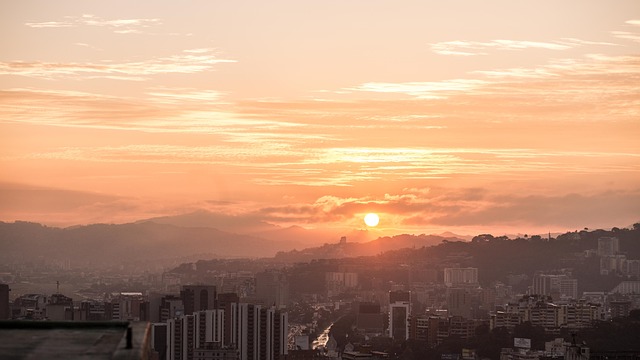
[(501, 117)]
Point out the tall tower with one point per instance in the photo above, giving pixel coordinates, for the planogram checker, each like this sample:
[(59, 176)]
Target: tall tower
[(272, 288), (399, 313), (4, 302), (198, 297)]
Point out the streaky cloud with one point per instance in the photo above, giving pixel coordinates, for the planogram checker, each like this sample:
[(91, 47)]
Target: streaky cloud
[(120, 26), (184, 63)]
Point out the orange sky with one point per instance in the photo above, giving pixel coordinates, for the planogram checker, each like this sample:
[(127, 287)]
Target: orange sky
[(467, 116)]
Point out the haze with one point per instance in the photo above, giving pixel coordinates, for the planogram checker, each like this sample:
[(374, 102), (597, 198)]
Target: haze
[(466, 116)]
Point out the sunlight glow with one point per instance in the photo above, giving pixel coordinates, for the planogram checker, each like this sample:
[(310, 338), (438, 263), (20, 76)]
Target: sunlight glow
[(371, 219)]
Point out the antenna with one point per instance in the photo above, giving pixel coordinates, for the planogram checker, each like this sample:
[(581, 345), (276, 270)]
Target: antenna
[(57, 287)]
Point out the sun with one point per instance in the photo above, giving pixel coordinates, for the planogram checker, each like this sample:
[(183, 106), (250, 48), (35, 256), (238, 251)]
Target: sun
[(371, 219)]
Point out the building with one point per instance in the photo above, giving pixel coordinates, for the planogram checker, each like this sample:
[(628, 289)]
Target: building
[(198, 298), (369, 319), (556, 286), (540, 312), (254, 332), (460, 276), (505, 319), (627, 287), (59, 308), (159, 334), (210, 326), (272, 288), (338, 282), (399, 313), (633, 268), (259, 333), (608, 246), (620, 308), (438, 330), (127, 306), (91, 310), (580, 314), (419, 327), (75, 340), (459, 302), (5, 311), (613, 264), (216, 354), (181, 334), (30, 306), (171, 306), (462, 328)]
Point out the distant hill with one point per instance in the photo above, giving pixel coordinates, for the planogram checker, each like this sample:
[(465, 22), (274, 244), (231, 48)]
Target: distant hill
[(449, 234), (151, 241), (207, 219), (103, 245), (246, 225), (354, 249)]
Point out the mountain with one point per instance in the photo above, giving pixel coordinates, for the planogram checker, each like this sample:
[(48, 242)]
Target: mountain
[(103, 245), (246, 225), (344, 249), (154, 242), (207, 219), (449, 234), (302, 237)]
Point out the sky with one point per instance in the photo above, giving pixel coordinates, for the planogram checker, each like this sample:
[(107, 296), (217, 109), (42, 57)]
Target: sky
[(462, 116)]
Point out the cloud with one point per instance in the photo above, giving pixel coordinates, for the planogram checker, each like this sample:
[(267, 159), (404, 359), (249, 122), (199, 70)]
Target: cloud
[(422, 90), (627, 35), (66, 207), (120, 26), (471, 208), (569, 81), (164, 154), (188, 62), (633, 34), (556, 211), (472, 48), (88, 46), (167, 95)]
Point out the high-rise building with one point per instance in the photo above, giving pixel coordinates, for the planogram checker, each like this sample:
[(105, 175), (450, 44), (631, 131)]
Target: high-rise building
[(210, 328), (438, 330), (608, 246), (159, 339), (181, 337), (254, 333), (419, 327), (399, 296), (125, 306), (460, 276), (5, 312), (459, 302), (556, 286), (272, 288), (198, 297), (399, 314), (338, 282), (369, 319), (171, 306)]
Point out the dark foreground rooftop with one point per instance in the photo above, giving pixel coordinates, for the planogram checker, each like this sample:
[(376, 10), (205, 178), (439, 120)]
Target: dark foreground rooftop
[(74, 340)]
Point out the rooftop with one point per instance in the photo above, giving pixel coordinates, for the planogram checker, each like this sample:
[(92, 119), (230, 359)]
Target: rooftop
[(73, 340)]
